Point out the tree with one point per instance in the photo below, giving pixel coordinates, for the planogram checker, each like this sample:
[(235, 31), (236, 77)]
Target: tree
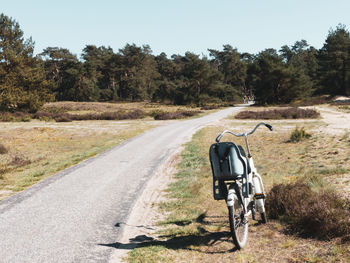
[(57, 63), (234, 70), (136, 73), (275, 81), (334, 62), (101, 65), (72, 79), (198, 82), (22, 79), (301, 61), (167, 81)]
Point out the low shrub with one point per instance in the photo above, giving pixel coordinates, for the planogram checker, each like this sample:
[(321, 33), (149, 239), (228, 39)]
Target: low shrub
[(15, 116), (120, 115), (321, 214), (298, 135), (3, 149), (66, 117), (131, 115), (210, 107), (19, 161), (175, 115), (276, 114), (44, 115), (63, 118), (47, 116)]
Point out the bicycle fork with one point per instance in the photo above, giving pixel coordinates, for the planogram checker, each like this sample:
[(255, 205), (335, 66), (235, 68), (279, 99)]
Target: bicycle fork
[(259, 193), (234, 197)]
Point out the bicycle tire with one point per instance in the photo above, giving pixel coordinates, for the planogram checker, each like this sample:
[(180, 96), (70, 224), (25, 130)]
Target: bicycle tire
[(238, 225)]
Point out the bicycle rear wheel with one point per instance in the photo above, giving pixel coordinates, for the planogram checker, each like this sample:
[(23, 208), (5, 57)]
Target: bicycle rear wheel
[(238, 224)]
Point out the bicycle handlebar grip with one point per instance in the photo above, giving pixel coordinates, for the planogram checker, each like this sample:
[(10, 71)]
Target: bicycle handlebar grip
[(269, 126), (219, 137)]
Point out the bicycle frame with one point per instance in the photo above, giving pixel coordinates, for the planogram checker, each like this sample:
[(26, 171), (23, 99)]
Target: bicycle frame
[(252, 179)]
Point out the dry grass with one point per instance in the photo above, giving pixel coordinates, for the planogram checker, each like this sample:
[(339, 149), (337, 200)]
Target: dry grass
[(37, 150), (342, 105), (311, 101), (197, 229), (99, 107)]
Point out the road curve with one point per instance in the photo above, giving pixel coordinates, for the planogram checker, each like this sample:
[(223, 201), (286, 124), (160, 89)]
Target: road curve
[(70, 216)]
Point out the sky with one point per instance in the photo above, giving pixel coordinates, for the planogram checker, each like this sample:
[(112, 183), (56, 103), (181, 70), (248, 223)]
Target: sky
[(176, 26)]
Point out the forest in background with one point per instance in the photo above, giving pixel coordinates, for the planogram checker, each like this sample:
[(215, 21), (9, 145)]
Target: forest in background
[(133, 73)]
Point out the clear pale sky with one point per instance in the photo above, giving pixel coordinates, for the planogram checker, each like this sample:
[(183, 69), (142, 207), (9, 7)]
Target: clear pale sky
[(176, 26)]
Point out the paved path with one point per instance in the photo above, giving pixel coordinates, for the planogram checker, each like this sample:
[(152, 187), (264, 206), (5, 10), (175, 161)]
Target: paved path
[(70, 216)]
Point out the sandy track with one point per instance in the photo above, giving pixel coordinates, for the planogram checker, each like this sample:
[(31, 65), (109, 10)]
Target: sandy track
[(337, 122)]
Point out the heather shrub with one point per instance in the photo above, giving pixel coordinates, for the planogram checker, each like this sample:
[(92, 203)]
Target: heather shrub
[(275, 114), (66, 117), (320, 214), (3, 149), (210, 107), (175, 115), (15, 116), (19, 161), (63, 118), (119, 115)]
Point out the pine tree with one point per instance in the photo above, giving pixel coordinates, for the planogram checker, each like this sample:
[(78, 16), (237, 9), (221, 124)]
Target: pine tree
[(22, 79), (334, 62)]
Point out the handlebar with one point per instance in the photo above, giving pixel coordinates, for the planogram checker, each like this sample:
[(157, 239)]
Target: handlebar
[(244, 134)]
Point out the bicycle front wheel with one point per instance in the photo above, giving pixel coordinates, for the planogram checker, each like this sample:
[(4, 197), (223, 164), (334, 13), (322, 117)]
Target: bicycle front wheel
[(238, 224)]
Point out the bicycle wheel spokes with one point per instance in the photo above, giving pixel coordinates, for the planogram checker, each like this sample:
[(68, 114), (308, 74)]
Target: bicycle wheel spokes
[(238, 225)]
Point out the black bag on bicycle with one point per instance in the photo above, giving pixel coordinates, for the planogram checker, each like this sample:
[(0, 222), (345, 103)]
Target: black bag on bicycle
[(228, 162)]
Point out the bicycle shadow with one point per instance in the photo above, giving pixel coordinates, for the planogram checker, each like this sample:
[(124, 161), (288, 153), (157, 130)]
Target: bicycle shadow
[(187, 242), (203, 240)]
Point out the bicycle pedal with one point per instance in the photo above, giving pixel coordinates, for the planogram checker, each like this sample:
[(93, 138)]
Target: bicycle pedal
[(259, 196)]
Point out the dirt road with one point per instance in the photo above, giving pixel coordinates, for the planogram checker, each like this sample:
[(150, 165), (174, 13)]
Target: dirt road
[(337, 122), (75, 215)]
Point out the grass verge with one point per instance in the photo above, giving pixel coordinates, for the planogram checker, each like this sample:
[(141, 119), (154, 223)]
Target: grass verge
[(196, 227)]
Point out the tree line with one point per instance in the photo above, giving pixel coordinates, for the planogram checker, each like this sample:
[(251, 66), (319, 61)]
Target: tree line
[(134, 73)]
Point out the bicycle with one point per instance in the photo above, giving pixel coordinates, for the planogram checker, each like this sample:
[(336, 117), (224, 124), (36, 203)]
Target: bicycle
[(235, 179)]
